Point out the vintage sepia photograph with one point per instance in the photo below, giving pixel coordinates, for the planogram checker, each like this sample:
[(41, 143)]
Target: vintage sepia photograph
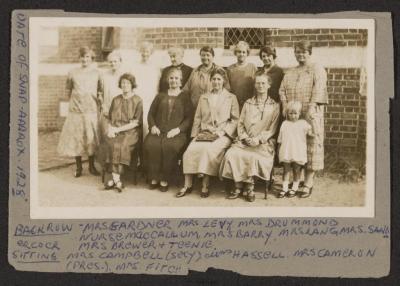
[(201, 117)]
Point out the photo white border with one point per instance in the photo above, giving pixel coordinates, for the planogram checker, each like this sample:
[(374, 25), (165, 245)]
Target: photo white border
[(38, 212)]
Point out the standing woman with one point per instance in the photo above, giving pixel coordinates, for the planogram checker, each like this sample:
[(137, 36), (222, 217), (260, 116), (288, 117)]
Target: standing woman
[(169, 120), (147, 76), (241, 74), (252, 154), (268, 56), (176, 56), (214, 127), (199, 82), (125, 117), (79, 135), (307, 83)]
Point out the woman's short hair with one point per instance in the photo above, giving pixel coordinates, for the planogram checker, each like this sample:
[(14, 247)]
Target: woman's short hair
[(221, 72), (269, 50), (242, 44), (177, 50), (172, 70), (304, 46), (146, 45), (86, 50), (114, 54), (130, 77), (262, 73), (207, 49), (293, 105)]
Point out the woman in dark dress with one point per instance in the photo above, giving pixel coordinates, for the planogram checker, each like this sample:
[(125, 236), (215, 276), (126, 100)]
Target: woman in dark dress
[(169, 121), (124, 129)]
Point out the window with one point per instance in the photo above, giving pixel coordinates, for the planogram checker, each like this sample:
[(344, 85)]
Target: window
[(253, 36)]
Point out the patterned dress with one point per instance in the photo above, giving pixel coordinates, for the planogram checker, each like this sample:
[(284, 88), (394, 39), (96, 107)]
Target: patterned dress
[(79, 135), (307, 84), (122, 112), (258, 120)]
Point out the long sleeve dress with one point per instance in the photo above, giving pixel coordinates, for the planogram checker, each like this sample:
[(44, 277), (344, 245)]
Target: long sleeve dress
[(214, 113), (147, 79), (241, 81), (124, 111), (307, 84), (161, 153), (199, 83), (79, 135), (258, 120)]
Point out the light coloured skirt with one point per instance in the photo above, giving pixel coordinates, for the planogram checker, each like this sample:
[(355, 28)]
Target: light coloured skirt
[(242, 163), (79, 135), (205, 157), (315, 145)]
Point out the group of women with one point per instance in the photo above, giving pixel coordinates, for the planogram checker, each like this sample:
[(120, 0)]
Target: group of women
[(218, 122)]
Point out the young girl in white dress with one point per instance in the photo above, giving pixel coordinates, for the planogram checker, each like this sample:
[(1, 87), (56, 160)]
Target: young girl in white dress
[(292, 142)]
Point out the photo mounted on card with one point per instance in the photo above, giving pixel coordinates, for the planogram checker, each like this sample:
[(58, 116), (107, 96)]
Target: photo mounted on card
[(286, 126), (154, 128)]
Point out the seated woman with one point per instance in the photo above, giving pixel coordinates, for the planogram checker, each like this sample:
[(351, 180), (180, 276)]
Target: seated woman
[(214, 126), (124, 129), (169, 120), (252, 154)]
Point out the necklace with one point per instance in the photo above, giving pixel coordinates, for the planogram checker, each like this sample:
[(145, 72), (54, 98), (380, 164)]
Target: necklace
[(258, 103)]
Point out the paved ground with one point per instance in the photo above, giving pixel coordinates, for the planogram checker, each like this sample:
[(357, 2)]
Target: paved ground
[(48, 157), (57, 187)]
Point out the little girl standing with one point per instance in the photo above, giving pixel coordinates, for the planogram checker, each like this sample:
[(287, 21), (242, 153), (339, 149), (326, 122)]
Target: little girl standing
[(292, 142)]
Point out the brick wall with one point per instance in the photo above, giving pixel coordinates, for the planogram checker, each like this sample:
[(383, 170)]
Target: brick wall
[(51, 91), (287, 37), (345, 116), (188, 38), (127, 38), (72, 38)]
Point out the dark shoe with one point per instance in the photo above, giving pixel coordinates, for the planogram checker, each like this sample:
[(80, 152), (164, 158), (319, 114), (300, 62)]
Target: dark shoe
[(290, 194), (251, 196), (109, 185), (153, 186), (119, 186), (93, 171), (92, 168), (234, 194), (164, 188), (205, 193), (183, 192), (78, 173), (302, 194)]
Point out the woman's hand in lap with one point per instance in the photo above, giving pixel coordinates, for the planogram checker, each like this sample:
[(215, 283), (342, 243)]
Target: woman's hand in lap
[(221, 133), (173, 132), (155, 130)]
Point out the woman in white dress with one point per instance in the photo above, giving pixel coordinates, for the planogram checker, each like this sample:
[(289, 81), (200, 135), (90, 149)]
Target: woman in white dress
[(147, 76)]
